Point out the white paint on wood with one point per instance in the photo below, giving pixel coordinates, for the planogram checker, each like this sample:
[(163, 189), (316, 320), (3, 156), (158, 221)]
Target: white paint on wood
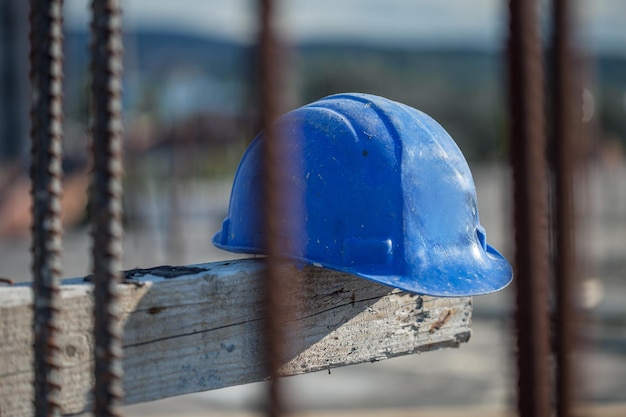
[(197, 328)]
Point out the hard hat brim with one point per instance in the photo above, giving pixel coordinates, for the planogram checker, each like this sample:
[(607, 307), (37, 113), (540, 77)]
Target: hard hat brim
[(448, 279), (453, 279)]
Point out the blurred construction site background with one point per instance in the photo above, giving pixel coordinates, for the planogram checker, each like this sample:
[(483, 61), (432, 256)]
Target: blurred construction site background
[(190, 109)]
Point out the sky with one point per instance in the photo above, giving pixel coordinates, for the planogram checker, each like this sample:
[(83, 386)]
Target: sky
[(461, 22)]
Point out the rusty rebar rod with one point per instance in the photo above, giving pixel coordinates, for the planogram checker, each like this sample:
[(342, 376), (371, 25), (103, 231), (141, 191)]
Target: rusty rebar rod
[(528, 160), (274, 198), (566, 102), (106, 202), (46, 77)]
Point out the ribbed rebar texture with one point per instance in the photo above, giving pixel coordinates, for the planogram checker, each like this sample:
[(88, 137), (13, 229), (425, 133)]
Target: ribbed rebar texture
[(528, 160), (275, 198), (566, 102), (46, 77), (106, 202)]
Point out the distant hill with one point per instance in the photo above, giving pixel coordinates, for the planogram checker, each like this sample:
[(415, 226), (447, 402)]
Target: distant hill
[(154, 52), (463, 89)]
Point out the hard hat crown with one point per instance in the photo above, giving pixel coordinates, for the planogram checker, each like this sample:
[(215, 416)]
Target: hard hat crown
[(382, 192)]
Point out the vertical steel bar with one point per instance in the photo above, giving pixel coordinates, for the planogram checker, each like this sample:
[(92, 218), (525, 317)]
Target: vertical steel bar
[(273, 204), (565, 103), (106, 202), (46, 76), (528, 160)]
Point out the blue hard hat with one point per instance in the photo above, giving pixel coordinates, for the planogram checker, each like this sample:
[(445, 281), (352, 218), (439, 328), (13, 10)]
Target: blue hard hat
[(380, 190)]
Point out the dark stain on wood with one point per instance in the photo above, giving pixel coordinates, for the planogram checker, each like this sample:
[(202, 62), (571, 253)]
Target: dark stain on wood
[(165, 271), (156, 310), (439, 323), (6, 281), (463, 337), (422, 316)]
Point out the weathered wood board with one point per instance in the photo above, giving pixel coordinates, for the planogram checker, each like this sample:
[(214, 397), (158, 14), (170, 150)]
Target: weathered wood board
[(197, 328)]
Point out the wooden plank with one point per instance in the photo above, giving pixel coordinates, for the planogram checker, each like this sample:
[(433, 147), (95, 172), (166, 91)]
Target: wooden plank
[(197, 328)]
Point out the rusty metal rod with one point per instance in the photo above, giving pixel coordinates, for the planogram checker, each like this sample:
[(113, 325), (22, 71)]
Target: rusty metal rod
[(46, 77), (106, 202), (528, 160), (566, 102), (274, 199)]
